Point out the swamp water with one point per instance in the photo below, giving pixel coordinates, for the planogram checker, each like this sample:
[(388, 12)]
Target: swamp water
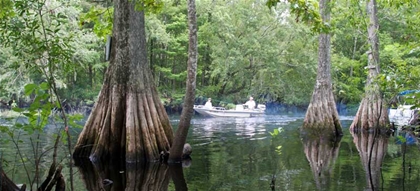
[(242, 154)]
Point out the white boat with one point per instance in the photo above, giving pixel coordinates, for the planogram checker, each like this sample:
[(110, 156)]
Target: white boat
[(239, 111), (402, 115)]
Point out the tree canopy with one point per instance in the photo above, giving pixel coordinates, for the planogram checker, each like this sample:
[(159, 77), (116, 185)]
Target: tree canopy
[(245, 48)]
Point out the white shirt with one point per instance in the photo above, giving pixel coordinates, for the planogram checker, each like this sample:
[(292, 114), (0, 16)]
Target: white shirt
[(208, 105), (250, 104)]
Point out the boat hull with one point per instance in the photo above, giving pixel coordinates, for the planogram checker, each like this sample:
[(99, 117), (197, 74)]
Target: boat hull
[(220, 112)]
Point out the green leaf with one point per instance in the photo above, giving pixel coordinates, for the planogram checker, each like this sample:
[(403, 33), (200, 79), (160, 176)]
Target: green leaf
[(17, 109), (274, 133), (29, 88), (27, 114), (4, 129), (44, 86), (402, 139)]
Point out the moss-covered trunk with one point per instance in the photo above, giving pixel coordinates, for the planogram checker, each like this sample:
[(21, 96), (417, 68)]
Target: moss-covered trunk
[(322, 112), (128, 120)]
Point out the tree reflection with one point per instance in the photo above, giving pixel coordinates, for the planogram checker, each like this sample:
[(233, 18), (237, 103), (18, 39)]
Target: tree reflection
[(372, 149), (106, 175), (321, 152), (114, 176)]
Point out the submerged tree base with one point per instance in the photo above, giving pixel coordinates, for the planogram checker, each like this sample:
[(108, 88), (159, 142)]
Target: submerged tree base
[(372, 115), (322, 117)]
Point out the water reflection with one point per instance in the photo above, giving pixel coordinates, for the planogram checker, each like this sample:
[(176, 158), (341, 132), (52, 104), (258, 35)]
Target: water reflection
[(248, 127), (209, 129), (321, 152), (114, 176), (228, 155), (107, 175), (372, 148)]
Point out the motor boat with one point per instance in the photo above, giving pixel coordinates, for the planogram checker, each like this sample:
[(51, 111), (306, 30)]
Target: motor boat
[(239, 111)]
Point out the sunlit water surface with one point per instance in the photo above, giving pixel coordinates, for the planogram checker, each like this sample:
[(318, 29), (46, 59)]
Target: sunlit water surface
[(242, 154)]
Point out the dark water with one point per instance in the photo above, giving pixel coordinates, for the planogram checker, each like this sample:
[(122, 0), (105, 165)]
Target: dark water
[(241, 154)]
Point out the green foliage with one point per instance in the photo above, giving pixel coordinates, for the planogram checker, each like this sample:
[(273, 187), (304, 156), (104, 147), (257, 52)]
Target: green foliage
[(306, 11), (275, 138), (276, 132), (167, 72), (6, 8), (401, 67), (100, 18), (400, 3), (40, 109), (44, 42), (349, 79), (244, 48), (150, 6), (227, 105), (402, 139), (252, 53)]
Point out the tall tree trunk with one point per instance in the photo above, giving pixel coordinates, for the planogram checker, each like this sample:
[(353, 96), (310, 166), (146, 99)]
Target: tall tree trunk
[(372, 113), (187, 111), (322, 112), (128, 120)]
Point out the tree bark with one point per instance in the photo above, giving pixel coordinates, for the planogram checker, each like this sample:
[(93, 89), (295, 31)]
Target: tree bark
[(128, 120), (372, 113), (322, 112), (187, 111)]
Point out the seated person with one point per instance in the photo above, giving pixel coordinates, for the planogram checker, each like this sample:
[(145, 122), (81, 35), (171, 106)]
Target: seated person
[(250, 103), (208, 104)]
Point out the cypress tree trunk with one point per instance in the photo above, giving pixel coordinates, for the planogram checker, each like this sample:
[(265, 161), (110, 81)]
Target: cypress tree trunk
[(187, 111), (128, 120), (322, 112), (372, 113)]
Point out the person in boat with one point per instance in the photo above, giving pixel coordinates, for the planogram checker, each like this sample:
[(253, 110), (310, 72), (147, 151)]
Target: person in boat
[(250, 103), (208, 104)]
